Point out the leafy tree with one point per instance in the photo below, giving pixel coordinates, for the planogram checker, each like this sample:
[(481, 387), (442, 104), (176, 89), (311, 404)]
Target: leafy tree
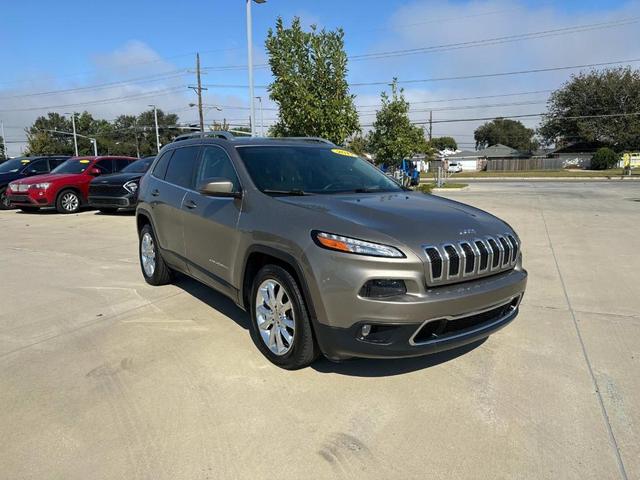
[(147, 133), (444, 143), (606, 92), (310, 85), (511, 133), (359, 144), (394, 137), (41, 140), (604, 158)]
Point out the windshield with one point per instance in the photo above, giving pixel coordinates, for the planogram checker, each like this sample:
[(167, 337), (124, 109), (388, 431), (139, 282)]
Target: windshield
[(13, 166), (139, 166), (303, 169), (73, 165)]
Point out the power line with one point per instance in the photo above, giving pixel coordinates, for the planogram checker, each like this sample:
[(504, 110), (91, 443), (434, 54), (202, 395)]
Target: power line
[(497, 74), (100, 86), (497, 40), (465, 107)]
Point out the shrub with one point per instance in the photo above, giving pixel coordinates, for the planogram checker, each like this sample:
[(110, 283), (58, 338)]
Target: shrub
[(604, 158)]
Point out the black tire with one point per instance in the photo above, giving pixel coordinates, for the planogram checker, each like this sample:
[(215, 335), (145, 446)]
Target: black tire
[(162, 274), (108, 211), (304, 350), (29, 209), (61, 204), (4, 201)]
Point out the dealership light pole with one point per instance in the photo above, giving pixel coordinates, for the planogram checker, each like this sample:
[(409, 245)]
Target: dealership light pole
[(155, 116), (261, 117), (250, 62), (75, 139)]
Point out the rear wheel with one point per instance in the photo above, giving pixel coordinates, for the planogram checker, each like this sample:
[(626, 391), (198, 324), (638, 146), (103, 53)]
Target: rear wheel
[(108, 210), (68, 202), (280, 324), (154, 269)]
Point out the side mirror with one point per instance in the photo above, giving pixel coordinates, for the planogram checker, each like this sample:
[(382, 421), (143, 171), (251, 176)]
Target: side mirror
[(218, 187), (95, 172)]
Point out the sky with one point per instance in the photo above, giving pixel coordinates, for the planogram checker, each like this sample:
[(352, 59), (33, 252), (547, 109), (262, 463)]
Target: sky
[(117, 57)]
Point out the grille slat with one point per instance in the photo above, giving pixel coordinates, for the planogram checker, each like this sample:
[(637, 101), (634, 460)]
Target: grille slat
[(454, 260), (457, 262)]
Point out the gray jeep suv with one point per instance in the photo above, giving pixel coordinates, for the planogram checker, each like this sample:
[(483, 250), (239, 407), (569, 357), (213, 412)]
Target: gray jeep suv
[(326, 253)]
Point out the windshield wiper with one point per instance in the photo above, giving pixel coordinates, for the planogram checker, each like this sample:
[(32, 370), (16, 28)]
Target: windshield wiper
[(295, 191)]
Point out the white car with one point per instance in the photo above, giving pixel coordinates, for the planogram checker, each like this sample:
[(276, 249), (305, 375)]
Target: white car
[(454, 167)]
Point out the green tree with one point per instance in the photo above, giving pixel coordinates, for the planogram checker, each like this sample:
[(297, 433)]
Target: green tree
[(359, 144), (41, 139), (511, 133), (590, 96), (394, 137), (310, 85), (444, 143), (147, 134), (604, 158)]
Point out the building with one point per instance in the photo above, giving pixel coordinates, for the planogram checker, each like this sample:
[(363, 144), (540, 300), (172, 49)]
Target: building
[(468, 160)]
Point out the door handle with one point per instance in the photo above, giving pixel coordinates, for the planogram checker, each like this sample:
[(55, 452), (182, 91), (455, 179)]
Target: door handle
[(191, 204), (155, 193)]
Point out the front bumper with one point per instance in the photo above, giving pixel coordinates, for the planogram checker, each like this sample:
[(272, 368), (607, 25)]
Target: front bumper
[(341, 311), (30, 198), (102, 201)]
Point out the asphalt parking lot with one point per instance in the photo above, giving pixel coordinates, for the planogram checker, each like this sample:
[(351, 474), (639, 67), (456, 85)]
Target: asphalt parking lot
[(103, 376)]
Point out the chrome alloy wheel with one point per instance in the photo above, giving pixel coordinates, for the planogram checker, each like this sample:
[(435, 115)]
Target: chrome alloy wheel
[(148, 254), (275, 317), (70, 202)]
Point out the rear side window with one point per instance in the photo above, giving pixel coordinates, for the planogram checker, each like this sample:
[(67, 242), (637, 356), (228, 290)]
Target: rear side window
[(105, 165), (160, 169), (39, 166), (182, 166), (216, 163), (55, 162), (120, 163)]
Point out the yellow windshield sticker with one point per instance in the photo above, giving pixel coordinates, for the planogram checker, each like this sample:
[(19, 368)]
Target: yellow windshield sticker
[(25, 161), (84, 161), (346, 153)]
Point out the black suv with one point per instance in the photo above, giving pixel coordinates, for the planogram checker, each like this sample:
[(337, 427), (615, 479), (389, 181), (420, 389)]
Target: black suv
[(108, 193), (22, 167)]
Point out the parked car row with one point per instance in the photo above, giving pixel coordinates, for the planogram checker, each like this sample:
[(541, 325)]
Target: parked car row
[(68, 184)]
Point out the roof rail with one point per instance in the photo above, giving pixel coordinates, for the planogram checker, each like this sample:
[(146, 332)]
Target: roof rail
[(306, 139), (213, 134)]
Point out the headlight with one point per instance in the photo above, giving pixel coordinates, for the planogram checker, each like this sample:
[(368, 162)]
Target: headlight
[(132, 186), (42, 186), (13, 187), (331, 241)]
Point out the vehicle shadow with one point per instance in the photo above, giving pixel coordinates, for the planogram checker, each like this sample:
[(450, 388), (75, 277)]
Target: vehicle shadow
[(359, 367), (365, 367), (119, 213), (215, 300)]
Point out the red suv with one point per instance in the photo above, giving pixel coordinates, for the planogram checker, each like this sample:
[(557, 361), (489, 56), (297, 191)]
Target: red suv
[(66, 187)]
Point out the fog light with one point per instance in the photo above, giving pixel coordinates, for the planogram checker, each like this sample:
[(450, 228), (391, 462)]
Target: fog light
[(366, 329), (382, 288)]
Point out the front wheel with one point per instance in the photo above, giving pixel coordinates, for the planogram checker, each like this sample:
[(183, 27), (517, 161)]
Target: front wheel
[(68, 202), (4, 200), (154, 269), (280, 324)]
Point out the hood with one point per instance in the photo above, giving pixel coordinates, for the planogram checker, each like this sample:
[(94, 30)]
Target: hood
[(5, 178), (52, 177), (116, 178), (411, 218)]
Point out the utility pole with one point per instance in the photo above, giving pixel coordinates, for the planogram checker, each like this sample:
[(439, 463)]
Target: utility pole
[(155, 115), (199, 93), (430, 124), (4, 141)]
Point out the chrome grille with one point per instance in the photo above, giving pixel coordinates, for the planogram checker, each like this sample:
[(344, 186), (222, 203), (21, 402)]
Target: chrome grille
[(450, 263)]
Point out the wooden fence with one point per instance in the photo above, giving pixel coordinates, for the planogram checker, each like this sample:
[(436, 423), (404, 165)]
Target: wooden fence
[(518, 164)]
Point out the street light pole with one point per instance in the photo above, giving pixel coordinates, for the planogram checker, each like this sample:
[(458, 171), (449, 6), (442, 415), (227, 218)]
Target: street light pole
[(155, 116), (95, 146), (261, 117), (75, 140), (250, 63)]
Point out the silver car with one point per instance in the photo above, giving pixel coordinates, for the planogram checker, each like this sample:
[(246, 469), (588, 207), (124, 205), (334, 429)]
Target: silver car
[(326, 253)]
